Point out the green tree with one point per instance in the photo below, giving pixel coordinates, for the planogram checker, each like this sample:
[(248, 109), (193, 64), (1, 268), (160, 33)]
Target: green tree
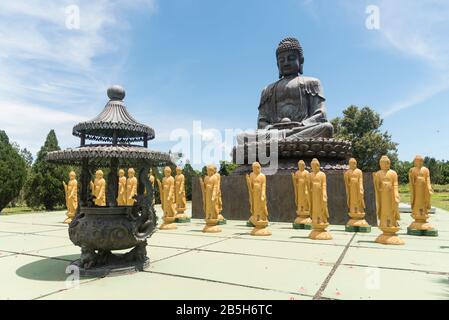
[(44, 187), (402, 168), (362, 126), (12, 171), (189, 175), (226, 168)]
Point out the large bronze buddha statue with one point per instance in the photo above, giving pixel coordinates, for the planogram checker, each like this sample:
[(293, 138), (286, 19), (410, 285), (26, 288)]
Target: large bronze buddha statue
[(292, 123), (294, 104)]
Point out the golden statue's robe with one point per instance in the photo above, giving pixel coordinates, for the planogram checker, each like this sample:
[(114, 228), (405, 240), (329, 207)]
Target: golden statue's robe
[(318, 198), (99, 191), (131, 190), (421, 190), (121, 199), (387, 198), (257, 185), (72, 198), (354, 190), (168, 196), (301, 184), (180, 192)]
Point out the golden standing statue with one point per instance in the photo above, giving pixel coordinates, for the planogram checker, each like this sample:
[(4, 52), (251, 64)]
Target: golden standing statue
[(421, 191), (355, 196), (221, 219), (152, 181), (71, 197), (302, 199), (167, 191), (387, 202), (257, 184), (131, 187), (211, 206), (180, 197), (318, 203), (121, 198), (98, 188)]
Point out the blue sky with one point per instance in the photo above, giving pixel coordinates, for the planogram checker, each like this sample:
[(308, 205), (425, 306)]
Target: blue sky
[(208, 60)]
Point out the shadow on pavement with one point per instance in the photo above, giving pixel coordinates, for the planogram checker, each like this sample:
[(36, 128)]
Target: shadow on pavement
[(47, 269)]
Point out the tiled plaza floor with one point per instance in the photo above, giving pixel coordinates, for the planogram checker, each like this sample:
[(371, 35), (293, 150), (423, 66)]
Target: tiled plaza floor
[(187, 264)]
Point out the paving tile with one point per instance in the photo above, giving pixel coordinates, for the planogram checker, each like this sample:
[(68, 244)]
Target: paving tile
[(147, 285), (285, 275), (370, 283), (27, 277), (283, 250), (172, 239), (26, 243), (398, 259)]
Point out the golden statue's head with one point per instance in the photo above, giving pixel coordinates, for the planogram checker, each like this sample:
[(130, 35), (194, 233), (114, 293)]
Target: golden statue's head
[(121, 173), (99, 174), (419, 161), (72, 175), (131, 172), (315, 164), (256, 167), (384, 163), (167, 171), (301, 165), (178, 170), (352, 164), (151, 171), (210, 169)]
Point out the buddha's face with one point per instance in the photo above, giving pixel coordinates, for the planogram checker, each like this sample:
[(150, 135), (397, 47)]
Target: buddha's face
[(72, 175), (99, 174), (315, 166), (288, 63), (210, 171), (384, 163), (352, 164), (178, 170), (256, 168), (131, 172), (121, 173), (301, 165), (167, 172), (419, 162)]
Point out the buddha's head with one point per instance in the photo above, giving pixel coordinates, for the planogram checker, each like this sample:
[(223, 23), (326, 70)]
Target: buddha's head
[(352, 164), (99, 174), (419, 161), (167, 172), (121, 173), (72, 175), (315, 164), (131, 172), (256, 167), (384, 163), (290, 57), (210, 170), (301, 165), (178, 170), (150, 172)]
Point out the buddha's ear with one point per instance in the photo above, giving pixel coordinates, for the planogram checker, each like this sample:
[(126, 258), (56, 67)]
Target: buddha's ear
[(301, 70)]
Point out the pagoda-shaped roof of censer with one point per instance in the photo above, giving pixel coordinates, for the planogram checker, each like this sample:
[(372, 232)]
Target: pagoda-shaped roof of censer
[(114, 118), (116, 129)]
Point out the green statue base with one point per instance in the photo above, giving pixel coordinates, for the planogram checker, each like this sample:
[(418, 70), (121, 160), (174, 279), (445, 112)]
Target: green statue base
[(422, 233), (358, 229), (302, 226), (222, 222), (182, 220)]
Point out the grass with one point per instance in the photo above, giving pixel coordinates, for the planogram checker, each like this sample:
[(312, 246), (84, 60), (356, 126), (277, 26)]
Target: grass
[(21, 210), (440, 197)]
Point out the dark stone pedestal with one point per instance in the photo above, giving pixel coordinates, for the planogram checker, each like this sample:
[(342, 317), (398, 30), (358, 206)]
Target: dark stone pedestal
[(280, 196)]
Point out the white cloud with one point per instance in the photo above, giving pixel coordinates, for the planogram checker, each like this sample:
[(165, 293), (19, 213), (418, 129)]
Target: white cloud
[(418, 29), (47, 67)]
